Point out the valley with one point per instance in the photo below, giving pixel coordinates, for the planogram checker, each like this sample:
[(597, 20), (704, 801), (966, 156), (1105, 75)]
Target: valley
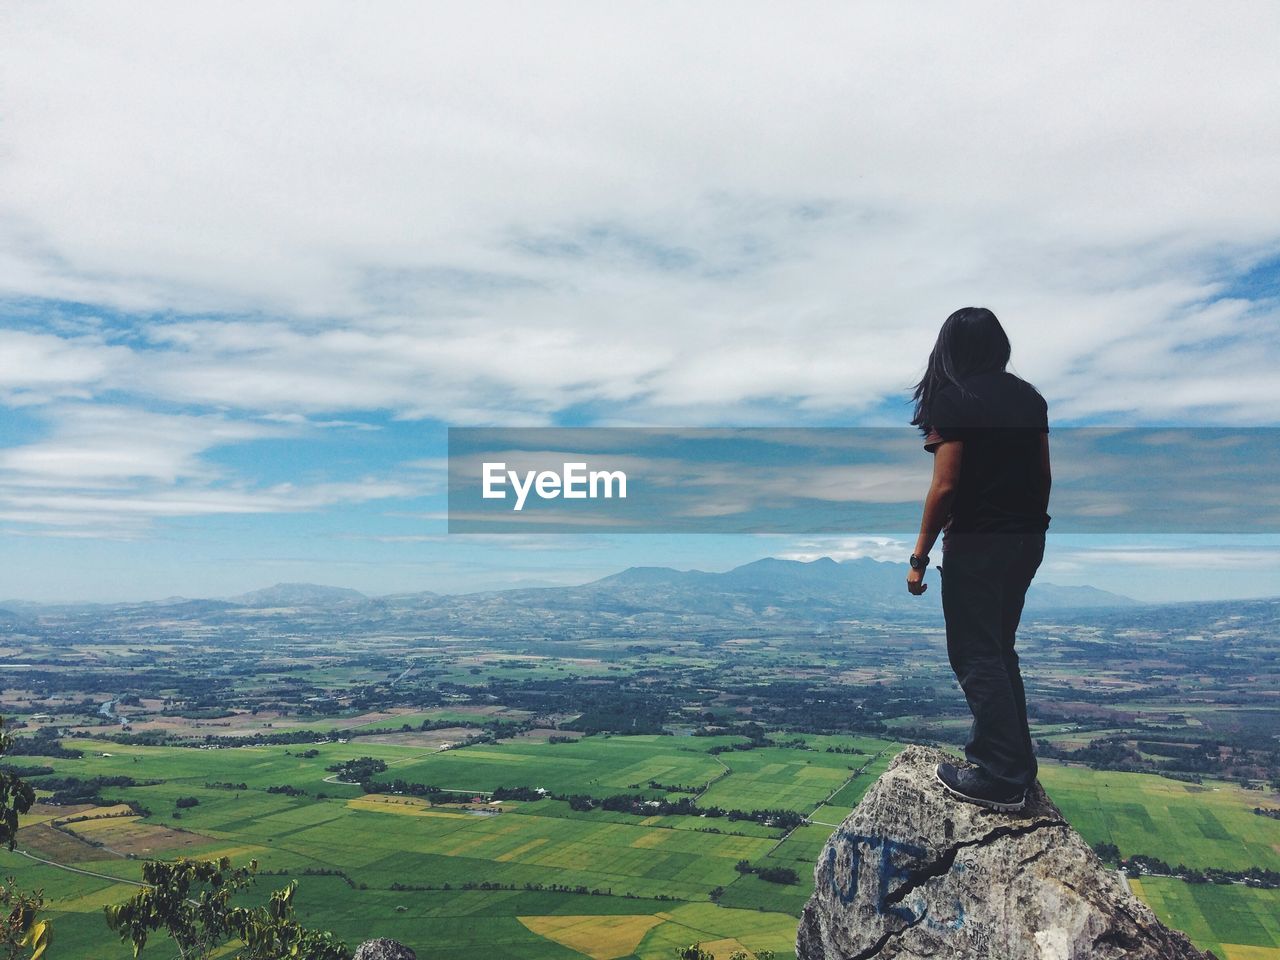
[(506, 779)]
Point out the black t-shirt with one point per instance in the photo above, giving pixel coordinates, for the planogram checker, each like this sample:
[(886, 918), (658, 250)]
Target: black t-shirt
[(1000, 418)]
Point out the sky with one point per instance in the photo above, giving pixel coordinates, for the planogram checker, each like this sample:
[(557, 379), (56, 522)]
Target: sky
[(255, 259)]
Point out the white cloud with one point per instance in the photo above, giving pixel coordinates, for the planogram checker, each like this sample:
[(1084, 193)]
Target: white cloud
[(490, 212), (110, 471), (282, 217), (1204, 559), (129, 514), (884, 549), (97, 445), (38, 367)]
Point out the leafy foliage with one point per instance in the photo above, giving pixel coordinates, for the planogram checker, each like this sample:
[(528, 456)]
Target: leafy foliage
[(358, 770), (778, 875), (20, 930), (16, 795), (190, 900), (694, 951)]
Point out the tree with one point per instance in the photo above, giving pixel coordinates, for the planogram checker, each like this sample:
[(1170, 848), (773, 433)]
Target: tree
[(1106, 851), (20, 928), (778, 875), (20, 931), (16, 795), (272, 931), (190, 900)]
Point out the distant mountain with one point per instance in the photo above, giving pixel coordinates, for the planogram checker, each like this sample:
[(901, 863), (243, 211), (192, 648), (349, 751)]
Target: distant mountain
[(298, 595), (862, 587), (32, 608), (15, 605), (180, 608), (819, 589), (768, 591), (1052, 596), (524, 583), (762, 594)]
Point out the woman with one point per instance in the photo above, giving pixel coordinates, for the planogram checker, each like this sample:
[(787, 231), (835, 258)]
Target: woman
[(988, 432)]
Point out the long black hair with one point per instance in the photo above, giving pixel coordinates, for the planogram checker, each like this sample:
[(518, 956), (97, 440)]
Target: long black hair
[(971, 341)]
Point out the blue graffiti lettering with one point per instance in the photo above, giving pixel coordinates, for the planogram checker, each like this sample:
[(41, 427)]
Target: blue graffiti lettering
[(894, 864)]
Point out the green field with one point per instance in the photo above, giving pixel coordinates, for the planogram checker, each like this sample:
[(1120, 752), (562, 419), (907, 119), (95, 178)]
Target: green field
[(1207, 825), (648, 880), (451, 925), (1236, 923), (596, 765), (632, 861)]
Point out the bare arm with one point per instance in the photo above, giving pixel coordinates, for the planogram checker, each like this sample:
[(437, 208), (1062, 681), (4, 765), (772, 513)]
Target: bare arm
[(937, 505), (1046, 473)]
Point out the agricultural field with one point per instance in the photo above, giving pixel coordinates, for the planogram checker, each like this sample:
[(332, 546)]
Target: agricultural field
[(409, 868), (649, 878), (1202, 825), (652, 772), (1235, 923)]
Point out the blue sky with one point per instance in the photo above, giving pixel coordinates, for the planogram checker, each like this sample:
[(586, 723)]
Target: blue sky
[(254, 263)]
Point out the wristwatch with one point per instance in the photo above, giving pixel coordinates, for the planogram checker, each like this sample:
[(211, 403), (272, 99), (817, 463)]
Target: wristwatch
[(919, 563)]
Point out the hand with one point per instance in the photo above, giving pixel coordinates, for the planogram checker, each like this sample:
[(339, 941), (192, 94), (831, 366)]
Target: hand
[(915, 582)]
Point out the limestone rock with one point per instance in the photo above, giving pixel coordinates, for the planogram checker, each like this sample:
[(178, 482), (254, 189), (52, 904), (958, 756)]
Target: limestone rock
[(913, 872), (383, 949)]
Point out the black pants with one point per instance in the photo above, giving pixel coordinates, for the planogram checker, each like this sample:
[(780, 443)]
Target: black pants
[(984, 583)]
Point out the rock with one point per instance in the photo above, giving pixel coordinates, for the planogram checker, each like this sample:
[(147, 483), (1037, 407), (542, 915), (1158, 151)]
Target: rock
[(383, 949), (913, 872)]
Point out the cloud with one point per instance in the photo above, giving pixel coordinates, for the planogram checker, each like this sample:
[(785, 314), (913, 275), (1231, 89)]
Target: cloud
[(251, 223), (297, 418), (129, 515), (672, 215), (111, 471), (40, 367), (98, 445), (884, 549), (1176, 557)]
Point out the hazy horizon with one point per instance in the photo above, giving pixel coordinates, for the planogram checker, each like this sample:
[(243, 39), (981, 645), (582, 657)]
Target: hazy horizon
[(248, 279), (544, 583)]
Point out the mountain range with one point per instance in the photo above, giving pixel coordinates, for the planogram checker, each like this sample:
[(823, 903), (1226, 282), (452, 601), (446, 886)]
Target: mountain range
[(767, 590)]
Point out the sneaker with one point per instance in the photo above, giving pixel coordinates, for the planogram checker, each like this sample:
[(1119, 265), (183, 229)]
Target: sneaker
[(974, 786)]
